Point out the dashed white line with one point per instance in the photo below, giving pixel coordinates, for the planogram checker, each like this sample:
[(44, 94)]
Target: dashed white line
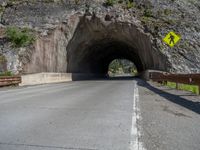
[(135, 144)]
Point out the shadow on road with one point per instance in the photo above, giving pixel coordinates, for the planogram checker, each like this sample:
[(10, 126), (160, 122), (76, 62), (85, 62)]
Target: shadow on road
[(177, 99), (120, 78), (80, 77)]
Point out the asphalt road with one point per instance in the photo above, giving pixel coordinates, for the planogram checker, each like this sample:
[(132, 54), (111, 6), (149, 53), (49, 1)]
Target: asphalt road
[(98, 115)]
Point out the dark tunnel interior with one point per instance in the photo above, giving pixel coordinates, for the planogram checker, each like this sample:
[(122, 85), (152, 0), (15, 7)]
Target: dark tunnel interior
[(95, 58)]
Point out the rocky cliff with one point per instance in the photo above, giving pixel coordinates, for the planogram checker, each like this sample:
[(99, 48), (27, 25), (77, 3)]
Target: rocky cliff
[(61, 27)]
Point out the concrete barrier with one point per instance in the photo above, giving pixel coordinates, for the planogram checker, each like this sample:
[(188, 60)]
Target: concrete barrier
[(145, 74), (44, 78)]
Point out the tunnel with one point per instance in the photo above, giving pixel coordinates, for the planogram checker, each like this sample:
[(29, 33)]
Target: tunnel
[(88, 44), (97, 57), (96, 43)]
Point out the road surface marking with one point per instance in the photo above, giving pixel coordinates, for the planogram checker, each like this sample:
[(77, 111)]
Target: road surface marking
[(135, 144)]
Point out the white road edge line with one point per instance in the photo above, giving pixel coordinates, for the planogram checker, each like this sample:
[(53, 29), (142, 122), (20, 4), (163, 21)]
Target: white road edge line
[(135, 144)]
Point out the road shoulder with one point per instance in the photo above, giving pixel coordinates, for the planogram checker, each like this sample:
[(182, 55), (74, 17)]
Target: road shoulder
[(170, 118)]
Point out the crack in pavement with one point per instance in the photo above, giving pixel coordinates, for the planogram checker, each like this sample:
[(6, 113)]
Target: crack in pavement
[(45, 146)]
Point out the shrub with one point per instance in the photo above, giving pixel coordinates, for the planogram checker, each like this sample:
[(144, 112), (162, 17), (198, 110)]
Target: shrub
[(148, 13), (1, 9), (2, 59), (6, 73), (120, 1), (76, 2), (130, 4), (145, 19), (110, 2), (19, 37), (167, 11)]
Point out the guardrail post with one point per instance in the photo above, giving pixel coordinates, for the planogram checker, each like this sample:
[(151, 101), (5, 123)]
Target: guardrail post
[(199, 89), (177, 85)]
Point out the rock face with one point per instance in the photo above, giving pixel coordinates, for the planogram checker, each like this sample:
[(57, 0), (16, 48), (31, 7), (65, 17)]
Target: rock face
[(85, 37)]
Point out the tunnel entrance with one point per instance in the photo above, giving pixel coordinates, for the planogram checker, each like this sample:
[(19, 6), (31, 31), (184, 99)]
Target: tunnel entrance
[(95, 59), (96, 43), (88, 44), (122, 68)]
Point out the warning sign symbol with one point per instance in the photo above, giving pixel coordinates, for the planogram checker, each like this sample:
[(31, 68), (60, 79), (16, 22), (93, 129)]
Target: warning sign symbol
[(171, 39)]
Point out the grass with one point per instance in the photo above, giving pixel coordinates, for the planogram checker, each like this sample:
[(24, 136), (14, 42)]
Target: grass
[(148, 13), (110, 2), (6, 73), (2, 59), (20, 37), (130, 4), (192, 88)]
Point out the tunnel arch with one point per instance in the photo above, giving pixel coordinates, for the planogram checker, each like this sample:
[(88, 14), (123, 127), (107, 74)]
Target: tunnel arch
[(96, 43), (96, 57)]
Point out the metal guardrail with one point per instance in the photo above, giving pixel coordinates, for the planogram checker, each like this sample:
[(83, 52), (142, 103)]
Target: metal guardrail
[(9, 80), (191, 79)]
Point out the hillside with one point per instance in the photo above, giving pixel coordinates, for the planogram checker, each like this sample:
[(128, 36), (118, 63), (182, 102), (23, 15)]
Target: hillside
[(155, 18)]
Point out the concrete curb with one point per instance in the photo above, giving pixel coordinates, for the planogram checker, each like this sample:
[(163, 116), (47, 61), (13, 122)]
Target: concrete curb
[(45, 78)]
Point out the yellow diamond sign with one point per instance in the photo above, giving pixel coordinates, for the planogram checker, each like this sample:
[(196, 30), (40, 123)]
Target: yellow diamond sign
[(171, 39)]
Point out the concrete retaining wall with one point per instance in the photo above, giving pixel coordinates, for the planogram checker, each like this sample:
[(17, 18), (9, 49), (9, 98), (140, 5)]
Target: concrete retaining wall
[(44, 78)]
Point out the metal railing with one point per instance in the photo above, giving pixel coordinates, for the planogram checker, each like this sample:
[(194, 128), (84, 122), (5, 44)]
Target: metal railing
[(9, 80), (191, 79)]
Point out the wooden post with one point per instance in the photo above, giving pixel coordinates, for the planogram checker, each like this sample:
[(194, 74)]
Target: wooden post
[(177, 86), (199, 89)]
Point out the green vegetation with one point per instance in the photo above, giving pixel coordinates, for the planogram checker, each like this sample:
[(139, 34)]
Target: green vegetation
[(20, 37), (145, 19), (170, 21), (2, 59), (49, 1), (76, 2), (148, 13), (191, 88), (120, 1), (6, 73), (115, 66), (130, 4), (110, 2), (167, 11), (1, 9), (121, 66)]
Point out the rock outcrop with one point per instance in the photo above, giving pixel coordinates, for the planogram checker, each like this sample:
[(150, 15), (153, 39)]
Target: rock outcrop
[(85, 36)]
